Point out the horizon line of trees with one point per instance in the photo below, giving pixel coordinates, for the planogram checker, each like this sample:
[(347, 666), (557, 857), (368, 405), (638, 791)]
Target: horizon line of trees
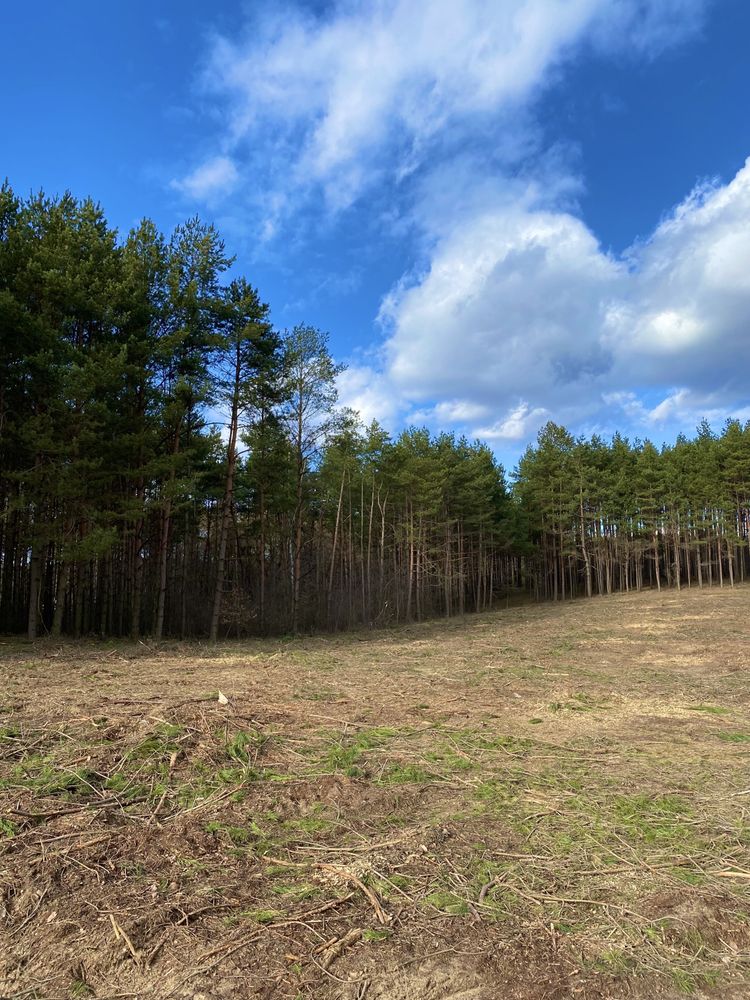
[(172, 465)]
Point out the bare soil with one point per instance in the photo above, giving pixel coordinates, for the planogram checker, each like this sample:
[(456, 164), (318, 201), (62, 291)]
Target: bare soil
[(540, 803)]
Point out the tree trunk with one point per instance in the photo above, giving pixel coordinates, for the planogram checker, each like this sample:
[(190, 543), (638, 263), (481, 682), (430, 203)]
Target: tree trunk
[(584, 549), (164, 547), (62, 590), (226, 507), (35, 581), (333, 547)]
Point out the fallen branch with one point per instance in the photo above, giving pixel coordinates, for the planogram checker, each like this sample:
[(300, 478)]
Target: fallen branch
[(224, 951), (380, 914), (338, 947), (121, 934)]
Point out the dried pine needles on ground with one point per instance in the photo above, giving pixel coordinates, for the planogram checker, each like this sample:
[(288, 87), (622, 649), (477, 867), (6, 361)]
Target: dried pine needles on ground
[(541, 803)]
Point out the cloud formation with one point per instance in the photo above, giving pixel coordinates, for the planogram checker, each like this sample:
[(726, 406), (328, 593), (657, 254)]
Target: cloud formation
[(513, 313), (522, 311), (372, 89), (214, 178)]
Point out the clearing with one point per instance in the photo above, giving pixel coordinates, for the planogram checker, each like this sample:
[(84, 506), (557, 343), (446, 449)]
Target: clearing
[(544, 802)]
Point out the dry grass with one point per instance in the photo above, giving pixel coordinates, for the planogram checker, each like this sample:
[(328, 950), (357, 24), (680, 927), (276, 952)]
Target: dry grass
[(546, 802)]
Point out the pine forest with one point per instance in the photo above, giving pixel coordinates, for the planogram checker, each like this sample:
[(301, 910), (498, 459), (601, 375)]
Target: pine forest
[(172, 465)]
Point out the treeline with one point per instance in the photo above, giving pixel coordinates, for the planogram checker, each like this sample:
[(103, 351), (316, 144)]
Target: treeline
[(171, 465), (615, 516)]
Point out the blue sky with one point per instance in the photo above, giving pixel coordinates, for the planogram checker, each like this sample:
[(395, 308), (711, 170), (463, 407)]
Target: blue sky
[(504, 212)]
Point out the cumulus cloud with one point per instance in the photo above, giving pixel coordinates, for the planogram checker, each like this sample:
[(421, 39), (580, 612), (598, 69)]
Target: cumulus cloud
[(524, 303), (688, 305), (495, 311), (679, 407), (214, 178), (517, 424), (513, 312), (449, 413), (370, 393)]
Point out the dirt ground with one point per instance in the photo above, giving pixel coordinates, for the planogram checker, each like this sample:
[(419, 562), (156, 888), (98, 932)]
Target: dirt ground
[(540, 803)]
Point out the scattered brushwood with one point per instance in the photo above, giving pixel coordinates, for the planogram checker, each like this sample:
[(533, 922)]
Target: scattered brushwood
[(487, 808)]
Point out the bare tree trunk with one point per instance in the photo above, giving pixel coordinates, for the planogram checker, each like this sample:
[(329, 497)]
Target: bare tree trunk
[(699, 561), (730, 560), (297, 559), (411, 566), (62, 590), (138, 567), (584, 549), (226, 507), (462, 572), (369, 550), (35, 580), (381, 572), (333, 546), (363, 586), (447, 583), (262, 560), (164, 547)]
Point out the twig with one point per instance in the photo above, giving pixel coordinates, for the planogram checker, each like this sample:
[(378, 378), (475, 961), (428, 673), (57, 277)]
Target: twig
[(101, 804), (31, 915), (120, 933), (486, 888), (332, 952), (159, 804), (364, 849), (226, 950), (380, 913)]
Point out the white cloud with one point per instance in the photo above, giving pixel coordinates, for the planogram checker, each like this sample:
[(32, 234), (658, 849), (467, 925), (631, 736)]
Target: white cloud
[(679, 409), (370, 393), (646, 26), (674, 403), (685, 313), (517, 424), (513, 313), (216, 177), (512, 305), (371, 90), (523, 303), (449, 413)]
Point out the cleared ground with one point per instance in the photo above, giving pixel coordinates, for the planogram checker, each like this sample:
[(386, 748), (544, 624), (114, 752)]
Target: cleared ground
[(545, 802)]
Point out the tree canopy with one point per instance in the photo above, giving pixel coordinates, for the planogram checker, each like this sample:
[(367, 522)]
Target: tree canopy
[(170, 464)]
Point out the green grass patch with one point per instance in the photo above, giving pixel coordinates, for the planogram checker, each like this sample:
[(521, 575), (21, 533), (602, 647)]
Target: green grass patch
[(613, 962), (375, 935), (652, 819), (245, 745), (347, 755), (295, 892), (160, 743), (80, 988), (446, 902), (46, 776), (405, 774), (239, 836), (309, 825)]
